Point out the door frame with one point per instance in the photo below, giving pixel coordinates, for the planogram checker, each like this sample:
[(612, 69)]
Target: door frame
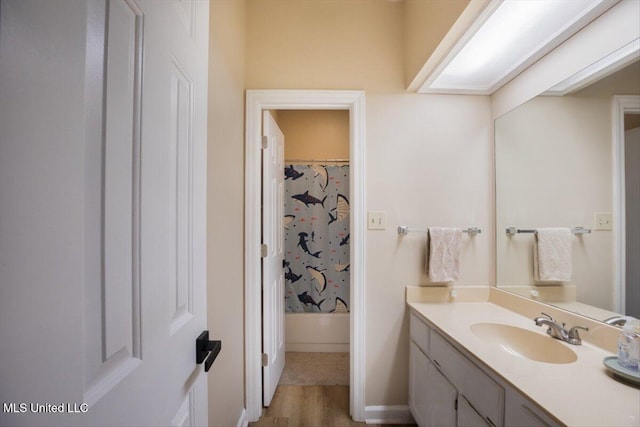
[(621, 104), (256, 102)]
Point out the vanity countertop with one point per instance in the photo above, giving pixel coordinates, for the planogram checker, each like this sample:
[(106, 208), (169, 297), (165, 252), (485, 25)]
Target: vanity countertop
[(581, 393)]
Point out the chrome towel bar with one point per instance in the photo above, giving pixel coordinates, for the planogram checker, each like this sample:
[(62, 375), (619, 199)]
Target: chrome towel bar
[(403, 230), (512, 231)]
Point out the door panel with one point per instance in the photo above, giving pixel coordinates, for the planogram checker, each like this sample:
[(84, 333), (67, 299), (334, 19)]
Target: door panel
[(102, 211), (467, 416), (418, 384), (441, 399), (114, 293), (273, 273), (181, 161)]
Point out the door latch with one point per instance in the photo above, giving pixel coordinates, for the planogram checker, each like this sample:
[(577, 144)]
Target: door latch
[(206, 351)]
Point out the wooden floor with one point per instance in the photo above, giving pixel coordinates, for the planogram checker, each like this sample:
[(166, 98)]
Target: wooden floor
[(309, 406), (315, 369), (311, 393)]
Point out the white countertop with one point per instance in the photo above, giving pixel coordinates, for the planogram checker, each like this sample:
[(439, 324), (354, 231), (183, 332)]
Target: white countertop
[(581, 393)]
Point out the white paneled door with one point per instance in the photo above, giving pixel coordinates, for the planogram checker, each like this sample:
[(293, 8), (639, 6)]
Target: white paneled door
[(102, 211), (273, 257)]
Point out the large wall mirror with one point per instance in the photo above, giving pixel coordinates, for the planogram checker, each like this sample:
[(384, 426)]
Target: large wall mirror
[(557, 166)]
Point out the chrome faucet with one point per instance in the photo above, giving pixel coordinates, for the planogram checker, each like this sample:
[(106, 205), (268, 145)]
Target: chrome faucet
[(557, 330), (616, 320)]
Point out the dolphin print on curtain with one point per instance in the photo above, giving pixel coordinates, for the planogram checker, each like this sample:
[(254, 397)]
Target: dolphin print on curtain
[(316, 223)]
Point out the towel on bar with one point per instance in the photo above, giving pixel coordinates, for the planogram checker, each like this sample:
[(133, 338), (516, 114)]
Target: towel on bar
[(552, 255), (443, 254)]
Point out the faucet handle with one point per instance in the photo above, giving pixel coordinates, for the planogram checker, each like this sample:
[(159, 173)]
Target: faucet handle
[(548, 316), (574, 335), (554, 320)]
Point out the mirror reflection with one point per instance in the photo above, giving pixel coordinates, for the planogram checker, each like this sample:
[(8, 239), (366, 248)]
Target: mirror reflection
[(556, 167)]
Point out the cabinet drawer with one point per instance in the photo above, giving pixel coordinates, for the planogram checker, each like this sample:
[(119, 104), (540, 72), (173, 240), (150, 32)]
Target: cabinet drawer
[(419, 332), (484, 394)]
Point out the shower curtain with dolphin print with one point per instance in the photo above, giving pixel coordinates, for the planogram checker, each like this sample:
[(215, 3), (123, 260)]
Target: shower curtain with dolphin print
[(316, 223)]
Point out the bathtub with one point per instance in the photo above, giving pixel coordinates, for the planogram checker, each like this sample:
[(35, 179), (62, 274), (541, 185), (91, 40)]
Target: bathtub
[(317, 332)]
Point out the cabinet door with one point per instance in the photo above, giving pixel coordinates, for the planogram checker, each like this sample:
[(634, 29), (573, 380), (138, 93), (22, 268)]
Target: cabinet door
[(441, 399), (467, 416), (418, 364), (483, 392), (520, 412)]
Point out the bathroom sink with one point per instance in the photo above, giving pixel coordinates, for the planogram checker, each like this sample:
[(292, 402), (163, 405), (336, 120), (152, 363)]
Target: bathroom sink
[(523, 343)]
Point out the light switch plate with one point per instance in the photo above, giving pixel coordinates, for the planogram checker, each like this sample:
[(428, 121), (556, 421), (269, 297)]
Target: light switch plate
[(603, 221), (377, 220)]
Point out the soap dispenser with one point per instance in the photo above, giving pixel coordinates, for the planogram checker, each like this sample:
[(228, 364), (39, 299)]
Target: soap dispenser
[(629, 344)]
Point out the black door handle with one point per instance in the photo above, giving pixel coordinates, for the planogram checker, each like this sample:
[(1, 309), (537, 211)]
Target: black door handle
[(207, 350)]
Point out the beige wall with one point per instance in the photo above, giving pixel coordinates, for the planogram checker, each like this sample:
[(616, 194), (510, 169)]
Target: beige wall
[(315, 134), (225, 194), (428, 158), (424, 169), (324, 44), (425, 24)]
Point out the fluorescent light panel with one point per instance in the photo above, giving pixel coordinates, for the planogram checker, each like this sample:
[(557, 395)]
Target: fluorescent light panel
[(510, 36)]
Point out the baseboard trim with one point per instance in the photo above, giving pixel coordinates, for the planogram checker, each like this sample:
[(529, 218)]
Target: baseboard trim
[(388, 414), (243, 421)]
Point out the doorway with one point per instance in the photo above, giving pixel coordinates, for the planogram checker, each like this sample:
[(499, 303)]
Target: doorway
[(257, 102), (316, 230), (316, 246)]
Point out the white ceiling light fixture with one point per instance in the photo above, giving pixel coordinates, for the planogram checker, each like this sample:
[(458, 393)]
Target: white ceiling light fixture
[(507, 37), (611, 63)]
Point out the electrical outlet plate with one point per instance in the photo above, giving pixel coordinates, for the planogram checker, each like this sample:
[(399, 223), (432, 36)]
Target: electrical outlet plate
[(377, 220), (603, 221)]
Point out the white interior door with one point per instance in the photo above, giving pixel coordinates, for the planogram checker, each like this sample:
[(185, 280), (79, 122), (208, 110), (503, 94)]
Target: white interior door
[(102, 211), (272, 272)]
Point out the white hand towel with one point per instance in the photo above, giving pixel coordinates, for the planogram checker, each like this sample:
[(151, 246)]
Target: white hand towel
[(443, 254), (552, 258)]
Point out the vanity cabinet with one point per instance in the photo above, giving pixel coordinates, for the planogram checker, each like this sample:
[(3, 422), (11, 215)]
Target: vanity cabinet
[(444, 388), (447, 389)]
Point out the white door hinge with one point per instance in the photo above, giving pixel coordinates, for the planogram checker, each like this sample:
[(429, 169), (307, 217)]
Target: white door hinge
[(264, 250), (265, 359), (265, 142)]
